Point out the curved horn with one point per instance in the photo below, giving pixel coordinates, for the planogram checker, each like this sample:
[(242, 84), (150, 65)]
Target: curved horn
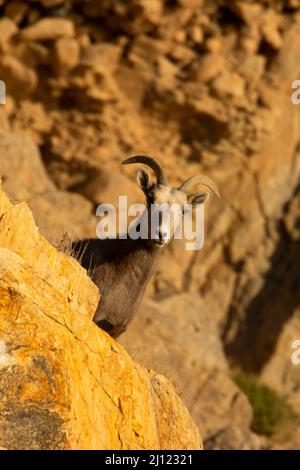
[(200, 179), (152, 163)]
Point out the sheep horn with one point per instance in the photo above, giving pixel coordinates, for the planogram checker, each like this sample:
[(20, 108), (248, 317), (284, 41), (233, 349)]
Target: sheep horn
[(199, 179), (152, 163)]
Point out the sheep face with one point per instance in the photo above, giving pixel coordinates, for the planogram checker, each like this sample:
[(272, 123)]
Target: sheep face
[(165, 208), (167, 204)]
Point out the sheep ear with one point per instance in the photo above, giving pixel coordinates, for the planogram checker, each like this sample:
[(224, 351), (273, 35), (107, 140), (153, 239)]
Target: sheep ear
[(143, 179), (199, 198)]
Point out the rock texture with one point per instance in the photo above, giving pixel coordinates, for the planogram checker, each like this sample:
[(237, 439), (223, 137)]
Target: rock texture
[(65, 384), (178, 337)]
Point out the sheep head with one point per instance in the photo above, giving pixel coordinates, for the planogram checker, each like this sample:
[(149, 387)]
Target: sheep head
[(159, 194)]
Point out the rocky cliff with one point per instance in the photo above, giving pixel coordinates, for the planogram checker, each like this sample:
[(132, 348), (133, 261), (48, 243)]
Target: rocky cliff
[(205, 86), (65, 384)]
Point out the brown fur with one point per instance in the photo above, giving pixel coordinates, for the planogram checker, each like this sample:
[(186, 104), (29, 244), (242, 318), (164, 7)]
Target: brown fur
[(122, 270)]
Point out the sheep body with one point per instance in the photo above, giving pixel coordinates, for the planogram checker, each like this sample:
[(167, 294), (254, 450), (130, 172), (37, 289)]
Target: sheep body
[(122, 267)]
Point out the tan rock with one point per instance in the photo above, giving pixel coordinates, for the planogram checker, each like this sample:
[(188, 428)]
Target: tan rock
[(213, 399), (294, 4), (250, 44), (20, 80), (270, 29), (65, 384), (7, 30), (24, 178), (21, 168), (249, 12), (196, 34), (180, 36), (209, 67), (36, 118), (253, 67), (102, 56), (107, 186), (229, 83), (218, 292), (213, 45), (4, 124), (49, 29), (182, 53), (66, 54)]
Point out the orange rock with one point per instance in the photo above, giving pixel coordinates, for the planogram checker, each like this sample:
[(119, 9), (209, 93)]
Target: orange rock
[(20, 79), (66, 53), (48, 29)]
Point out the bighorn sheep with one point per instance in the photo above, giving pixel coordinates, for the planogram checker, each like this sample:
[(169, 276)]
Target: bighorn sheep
[(122, 268)]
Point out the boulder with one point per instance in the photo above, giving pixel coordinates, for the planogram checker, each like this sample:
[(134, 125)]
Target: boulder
[(66, 54), (48, 29)]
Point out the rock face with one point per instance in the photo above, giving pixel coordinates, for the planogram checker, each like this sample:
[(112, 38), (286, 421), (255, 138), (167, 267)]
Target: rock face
[(65, 384), (178, 337)]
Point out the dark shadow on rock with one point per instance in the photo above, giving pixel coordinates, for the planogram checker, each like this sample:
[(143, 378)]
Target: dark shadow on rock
[(268, 312)]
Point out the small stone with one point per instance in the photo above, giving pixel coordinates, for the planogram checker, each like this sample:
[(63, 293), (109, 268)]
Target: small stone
[(66, 53), (247, 11), (180, 36), (4, 124), (20, 80), (210, 66), (250, 44), (229, 83), (167, 74), (7, 30), (48, 29), (197, 35), (213, 44), (182, 54), (272, 36), (103, 56), (253, 67), (84, 40), (294, 4)]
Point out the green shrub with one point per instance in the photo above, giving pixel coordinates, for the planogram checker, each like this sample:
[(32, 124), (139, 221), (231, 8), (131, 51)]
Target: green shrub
[(270, 410)]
